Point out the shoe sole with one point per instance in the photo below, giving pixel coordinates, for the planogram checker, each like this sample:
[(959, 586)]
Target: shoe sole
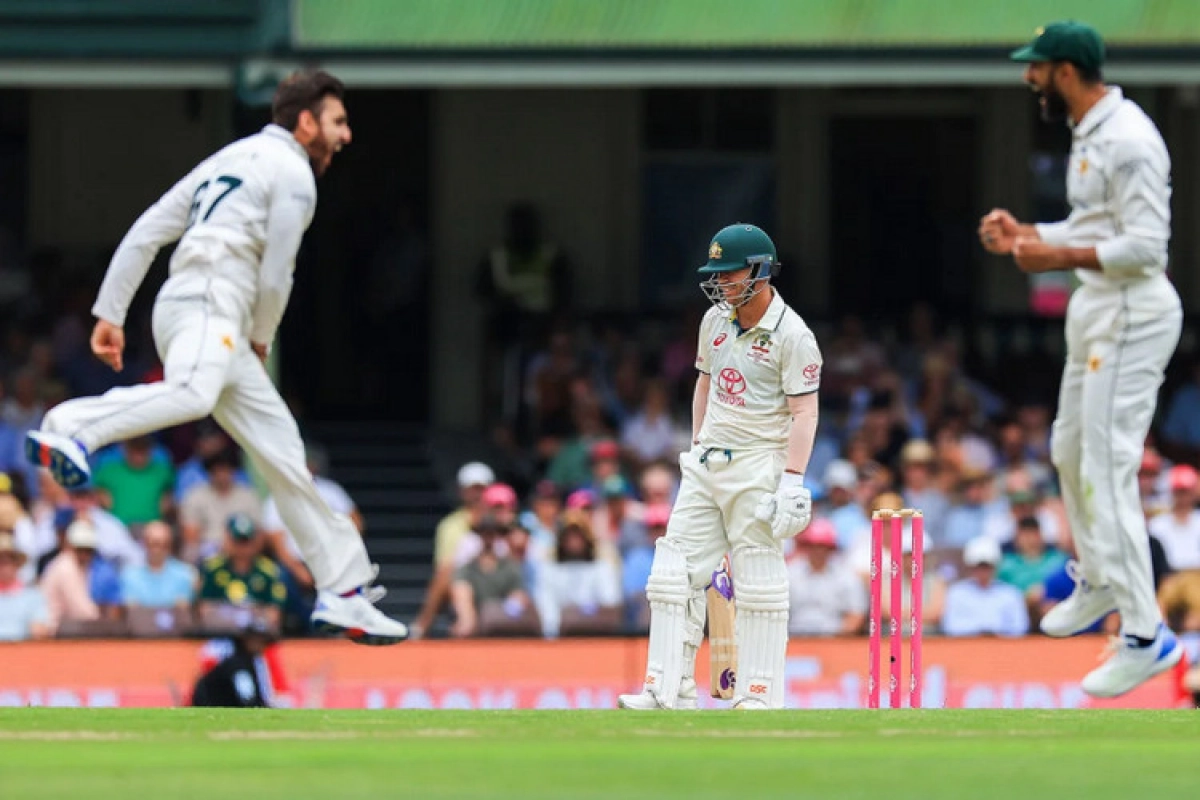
[(1077, 631), (357, 635), (1160, 667), (65, 471)]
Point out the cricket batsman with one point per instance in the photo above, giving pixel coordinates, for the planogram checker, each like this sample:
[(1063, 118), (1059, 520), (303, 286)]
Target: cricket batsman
[(754, 418), (238, 217), (1122, 326)]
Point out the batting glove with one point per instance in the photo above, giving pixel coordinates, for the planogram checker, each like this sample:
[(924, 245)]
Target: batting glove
[(789, 510)]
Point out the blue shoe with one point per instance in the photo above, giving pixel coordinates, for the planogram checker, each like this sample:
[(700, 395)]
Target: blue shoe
[(66, 458), (1130, 666)]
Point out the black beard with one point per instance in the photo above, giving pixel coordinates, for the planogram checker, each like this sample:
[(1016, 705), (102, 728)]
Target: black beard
[(1055, 109)]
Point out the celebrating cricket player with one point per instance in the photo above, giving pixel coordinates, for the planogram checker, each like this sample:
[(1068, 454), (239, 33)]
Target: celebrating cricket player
[(238, 217), (1122, 326), (754, 421)]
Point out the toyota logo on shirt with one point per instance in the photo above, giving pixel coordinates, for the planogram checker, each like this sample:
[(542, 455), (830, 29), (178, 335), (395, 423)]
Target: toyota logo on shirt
[(730, 384)]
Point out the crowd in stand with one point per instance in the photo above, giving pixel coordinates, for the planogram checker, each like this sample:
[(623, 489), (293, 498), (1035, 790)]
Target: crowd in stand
[(555, 535), (171, 536)]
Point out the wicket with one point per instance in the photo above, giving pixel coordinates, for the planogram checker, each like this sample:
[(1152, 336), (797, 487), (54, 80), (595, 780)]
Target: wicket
[(895, 612)]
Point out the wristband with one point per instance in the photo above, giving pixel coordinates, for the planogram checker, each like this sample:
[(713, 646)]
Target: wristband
[(790, 479)]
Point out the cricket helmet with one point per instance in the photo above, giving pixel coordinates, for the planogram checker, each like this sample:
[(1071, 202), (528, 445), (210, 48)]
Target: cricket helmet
[(737, 247)]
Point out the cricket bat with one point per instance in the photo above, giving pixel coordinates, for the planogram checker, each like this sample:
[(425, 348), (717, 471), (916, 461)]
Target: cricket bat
[(722, 644)]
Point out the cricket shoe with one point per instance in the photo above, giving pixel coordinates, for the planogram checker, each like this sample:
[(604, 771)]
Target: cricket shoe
[(751, 704), (66, 458), (1130, 666), (648, 700), (354, 617), (1086, 606)]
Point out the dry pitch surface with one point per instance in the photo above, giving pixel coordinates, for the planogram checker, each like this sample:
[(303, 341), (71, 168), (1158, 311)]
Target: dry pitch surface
[(190, 753)]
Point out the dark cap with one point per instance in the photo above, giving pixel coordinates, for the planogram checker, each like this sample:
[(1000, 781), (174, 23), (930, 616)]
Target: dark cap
[(241, 527), (1064, 41)]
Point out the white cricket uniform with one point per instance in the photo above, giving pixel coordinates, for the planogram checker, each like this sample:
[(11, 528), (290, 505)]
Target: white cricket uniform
[(239, 217), (739, 460), (743, 441), (1122, 326)]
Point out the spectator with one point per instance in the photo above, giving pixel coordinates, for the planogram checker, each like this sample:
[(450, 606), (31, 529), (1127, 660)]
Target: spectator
[(499, 501), (1179, 598), (532, 563), (967, 519), (487, 578), (616, 525), (1153, 489), (1021, 500), (242, 576), (23, 611), (651, 434), (210, 440), (472, 479), (541, 520), (578, 582), (827, 598), (658, 485), (1031, 562), (138, 486), (524, 278), (113, 539), (163, 581), (14, 520), (917, 467), (847, 516), (12, 443), (23, 409), (208, 506), (1179, 531), (79, 585), (1181, 427), (635, 572), (589, 457), (980, 606)]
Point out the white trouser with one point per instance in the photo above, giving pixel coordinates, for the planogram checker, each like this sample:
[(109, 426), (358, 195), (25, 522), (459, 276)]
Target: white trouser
[(713, 514), (209, 368), (1118, 344)]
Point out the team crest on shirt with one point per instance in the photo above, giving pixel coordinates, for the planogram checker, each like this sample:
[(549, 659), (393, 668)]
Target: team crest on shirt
[(760, 349)]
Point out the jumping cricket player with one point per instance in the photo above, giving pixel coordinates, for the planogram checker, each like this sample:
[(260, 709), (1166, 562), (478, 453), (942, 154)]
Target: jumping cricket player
[(754, 421), (1122, 326), (238, 217)]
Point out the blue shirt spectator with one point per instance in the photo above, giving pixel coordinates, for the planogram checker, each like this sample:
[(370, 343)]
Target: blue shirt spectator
[(979, 605), (104, 582), (163, 581)]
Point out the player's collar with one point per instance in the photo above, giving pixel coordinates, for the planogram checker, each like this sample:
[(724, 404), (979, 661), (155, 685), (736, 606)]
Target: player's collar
[(282, 133), (1099, 112)]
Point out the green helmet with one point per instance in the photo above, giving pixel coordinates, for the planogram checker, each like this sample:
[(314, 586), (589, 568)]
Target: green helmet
[(736, 247)]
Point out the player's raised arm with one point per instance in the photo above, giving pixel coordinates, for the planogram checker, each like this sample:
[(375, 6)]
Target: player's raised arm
[(162, 223), (293, 200)]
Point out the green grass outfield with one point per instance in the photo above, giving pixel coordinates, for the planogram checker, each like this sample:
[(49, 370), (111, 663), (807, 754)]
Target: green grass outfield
[(966, 755)]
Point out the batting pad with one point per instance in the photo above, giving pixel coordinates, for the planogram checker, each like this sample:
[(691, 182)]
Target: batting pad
[(669, 591), (761, 592)]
